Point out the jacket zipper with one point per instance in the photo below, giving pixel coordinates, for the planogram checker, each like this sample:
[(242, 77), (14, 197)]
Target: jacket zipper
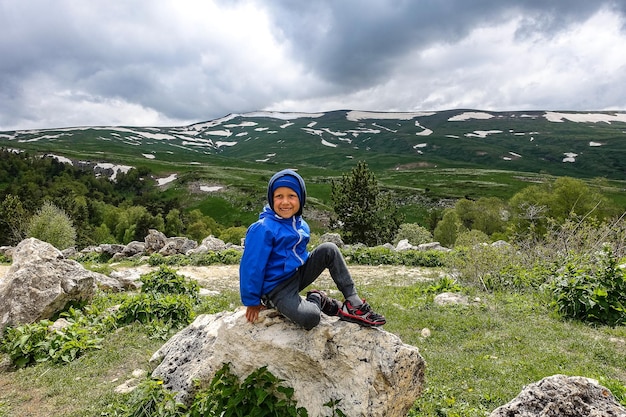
[(293, 224)]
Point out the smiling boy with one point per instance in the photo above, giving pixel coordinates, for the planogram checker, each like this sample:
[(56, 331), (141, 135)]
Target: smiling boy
[(276, 265)]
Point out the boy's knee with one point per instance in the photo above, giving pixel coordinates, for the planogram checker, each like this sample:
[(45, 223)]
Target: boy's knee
[(310, 321), (328, 249)]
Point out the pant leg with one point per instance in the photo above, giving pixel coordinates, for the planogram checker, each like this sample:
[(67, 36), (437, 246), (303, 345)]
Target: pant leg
[(327, 256), (286, 298)]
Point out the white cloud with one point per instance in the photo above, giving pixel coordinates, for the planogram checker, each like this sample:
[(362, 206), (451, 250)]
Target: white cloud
[(178, 62)]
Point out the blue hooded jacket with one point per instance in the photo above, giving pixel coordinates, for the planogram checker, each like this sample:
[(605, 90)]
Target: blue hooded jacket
[(274, 248)]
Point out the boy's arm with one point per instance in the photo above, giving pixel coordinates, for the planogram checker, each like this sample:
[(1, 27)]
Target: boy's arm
[(257, 250)]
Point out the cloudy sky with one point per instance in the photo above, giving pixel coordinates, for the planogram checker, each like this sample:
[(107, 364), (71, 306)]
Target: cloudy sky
[(175, 62)]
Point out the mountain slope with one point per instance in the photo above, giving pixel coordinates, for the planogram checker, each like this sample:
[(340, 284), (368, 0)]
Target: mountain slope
[(559, 143)]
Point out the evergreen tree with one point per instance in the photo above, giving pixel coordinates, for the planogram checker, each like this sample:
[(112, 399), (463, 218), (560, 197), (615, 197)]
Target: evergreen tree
[(364, 214), (13, 220)]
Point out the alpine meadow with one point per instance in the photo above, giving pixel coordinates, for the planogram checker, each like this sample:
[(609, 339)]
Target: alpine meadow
[(528, 208)]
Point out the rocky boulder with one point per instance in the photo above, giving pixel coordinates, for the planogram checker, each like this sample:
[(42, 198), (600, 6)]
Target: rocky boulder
[(41, 282), (211, 243), (334, 238), (563, 396), (154, 241), (177, 245), (370, 370)]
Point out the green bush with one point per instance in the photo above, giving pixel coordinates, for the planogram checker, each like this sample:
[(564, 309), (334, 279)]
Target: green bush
[(174, 310), (260, 394), (150, 399), (33, 343), (591, 293), (381, 255), (166, 301), (225, 257), (157, 259), (51, 224), (471, 238), (165, 280), (414, 233), (233, 235)]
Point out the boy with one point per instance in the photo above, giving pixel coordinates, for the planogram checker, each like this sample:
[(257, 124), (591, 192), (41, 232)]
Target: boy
[(276, 265)]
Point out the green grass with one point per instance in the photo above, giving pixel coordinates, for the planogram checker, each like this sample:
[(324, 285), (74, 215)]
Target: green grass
[(478, 356), (481, 356)]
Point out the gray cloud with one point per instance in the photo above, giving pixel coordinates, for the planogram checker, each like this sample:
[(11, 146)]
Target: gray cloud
[(143, 62)]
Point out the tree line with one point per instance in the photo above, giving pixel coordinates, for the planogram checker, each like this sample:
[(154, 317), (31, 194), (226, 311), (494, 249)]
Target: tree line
[(70, 206), (41, 196), (364, 213)]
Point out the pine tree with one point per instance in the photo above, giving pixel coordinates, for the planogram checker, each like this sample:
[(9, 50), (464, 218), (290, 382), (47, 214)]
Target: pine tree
[(364, 214)]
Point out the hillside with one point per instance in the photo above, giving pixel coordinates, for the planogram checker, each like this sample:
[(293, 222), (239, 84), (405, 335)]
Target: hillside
[(559, 143), (432, 155)]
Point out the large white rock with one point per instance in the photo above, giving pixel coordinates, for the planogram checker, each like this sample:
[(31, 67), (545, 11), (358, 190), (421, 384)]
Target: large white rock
[(370, 370), (40, 283), (559, 396)]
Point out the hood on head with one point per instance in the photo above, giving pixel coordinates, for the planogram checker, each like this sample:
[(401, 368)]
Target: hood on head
[(287, 178)]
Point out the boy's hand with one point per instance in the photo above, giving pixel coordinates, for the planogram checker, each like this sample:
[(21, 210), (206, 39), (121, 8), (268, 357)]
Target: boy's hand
[(252, 312)]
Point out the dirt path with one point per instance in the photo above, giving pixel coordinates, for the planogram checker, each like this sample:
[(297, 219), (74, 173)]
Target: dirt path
[(226, 277)]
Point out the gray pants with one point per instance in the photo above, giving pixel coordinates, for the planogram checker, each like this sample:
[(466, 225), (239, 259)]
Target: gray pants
[(286, 297)]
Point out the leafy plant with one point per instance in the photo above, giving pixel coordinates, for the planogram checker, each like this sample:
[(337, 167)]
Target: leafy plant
[(167, 281), (414, 233), (175, 310), (51, 224), (37, 342), (260, 394), (150, 399), (166, 301), (381, 255), (593, 294), (445, 284)]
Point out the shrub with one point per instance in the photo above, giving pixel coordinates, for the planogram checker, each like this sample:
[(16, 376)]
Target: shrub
[(166, 301), (32, 343), (260, 394), (226, 257), (172, 310), (150, 399), (593, 294), (233, 235), (165, 280), (381, 255), (485, 266), (471, 238), (414, 233), (51, 224)]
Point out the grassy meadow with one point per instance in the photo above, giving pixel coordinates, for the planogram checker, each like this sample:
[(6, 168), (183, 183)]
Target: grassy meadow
[(479, 356)]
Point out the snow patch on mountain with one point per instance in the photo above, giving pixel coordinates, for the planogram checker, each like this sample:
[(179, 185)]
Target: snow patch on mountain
[(585, 117), (355, 115), (470, 115)]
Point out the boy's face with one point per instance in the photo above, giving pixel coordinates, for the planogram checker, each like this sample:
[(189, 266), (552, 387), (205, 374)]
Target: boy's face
[(286, 202)]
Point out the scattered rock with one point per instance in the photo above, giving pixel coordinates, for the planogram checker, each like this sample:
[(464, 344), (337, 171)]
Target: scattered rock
[(155, 241), (433, 246), (446, 298), (563, 396), (41, 282), (177, 245), (333, 238)]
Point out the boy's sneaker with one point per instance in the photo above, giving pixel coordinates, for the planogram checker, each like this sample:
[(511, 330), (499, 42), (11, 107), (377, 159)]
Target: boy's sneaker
[(328, 305), (363, 314)]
